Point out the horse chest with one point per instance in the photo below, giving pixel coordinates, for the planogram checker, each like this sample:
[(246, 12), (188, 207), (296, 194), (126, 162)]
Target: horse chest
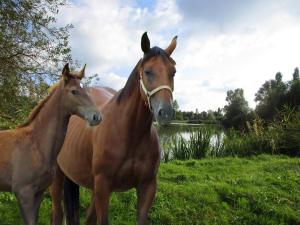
[(45, 177), (40, 178), (37, 172), (131, 171)]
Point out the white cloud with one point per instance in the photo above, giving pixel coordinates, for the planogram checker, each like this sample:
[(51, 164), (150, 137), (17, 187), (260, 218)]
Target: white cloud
[(111, 80), (237, 59), (243, 53)]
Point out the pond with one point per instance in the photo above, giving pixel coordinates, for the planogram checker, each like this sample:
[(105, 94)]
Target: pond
[(189, 139)]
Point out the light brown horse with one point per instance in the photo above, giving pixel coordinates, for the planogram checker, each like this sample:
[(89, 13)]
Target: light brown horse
[(28, 154), (123, 151)]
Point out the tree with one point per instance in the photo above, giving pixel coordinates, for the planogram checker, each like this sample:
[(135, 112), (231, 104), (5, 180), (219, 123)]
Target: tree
[(33, 50), (296, 74), (178, 113), (175, 105), (293, 95), (271, 97), (218, 114), (278, 77), (236, 109), (30, 43)]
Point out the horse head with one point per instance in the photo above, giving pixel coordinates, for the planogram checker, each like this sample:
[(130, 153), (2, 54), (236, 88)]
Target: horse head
[(75, 97), (157, 71)]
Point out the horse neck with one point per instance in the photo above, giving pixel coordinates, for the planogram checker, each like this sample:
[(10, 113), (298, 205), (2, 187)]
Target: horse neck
[(50, 126), (137, 114)]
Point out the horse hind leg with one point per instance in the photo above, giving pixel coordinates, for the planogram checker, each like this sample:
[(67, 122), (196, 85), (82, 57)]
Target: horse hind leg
[(71, 202), (29, 203), (56, 193)]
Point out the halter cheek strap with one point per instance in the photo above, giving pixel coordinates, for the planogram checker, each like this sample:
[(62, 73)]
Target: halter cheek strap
[(149, 94)]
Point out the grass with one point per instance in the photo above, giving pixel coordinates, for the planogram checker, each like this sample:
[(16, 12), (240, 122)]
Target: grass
[(260, 189)]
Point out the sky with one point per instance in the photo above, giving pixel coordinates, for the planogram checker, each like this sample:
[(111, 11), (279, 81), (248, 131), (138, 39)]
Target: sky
[(222, 44)]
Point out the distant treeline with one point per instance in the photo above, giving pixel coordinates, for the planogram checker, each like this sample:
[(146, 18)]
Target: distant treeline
[(209, 117), (273, 127), (271, 97)]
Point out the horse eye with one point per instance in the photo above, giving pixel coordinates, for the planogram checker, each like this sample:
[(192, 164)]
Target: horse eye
[(172, 75), (75, 92), (148, 73)]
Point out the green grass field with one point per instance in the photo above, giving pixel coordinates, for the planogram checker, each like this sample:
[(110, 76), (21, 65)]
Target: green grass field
[(258, 190)]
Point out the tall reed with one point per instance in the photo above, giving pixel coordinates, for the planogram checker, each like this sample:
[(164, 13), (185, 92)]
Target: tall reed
[(281, 136)]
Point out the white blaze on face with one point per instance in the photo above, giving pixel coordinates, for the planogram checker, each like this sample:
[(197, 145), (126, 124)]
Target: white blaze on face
[(81, 85)]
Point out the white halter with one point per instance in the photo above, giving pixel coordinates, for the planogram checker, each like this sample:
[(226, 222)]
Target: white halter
[(152, 92)]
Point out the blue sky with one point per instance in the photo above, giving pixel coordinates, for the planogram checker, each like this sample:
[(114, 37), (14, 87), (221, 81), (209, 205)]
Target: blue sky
[(222, 44)]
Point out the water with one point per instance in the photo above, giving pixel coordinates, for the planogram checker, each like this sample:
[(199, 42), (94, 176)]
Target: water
[(169, 135), (185, 130)]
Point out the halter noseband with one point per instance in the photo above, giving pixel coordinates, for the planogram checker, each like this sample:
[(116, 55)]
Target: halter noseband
[(149, 94)]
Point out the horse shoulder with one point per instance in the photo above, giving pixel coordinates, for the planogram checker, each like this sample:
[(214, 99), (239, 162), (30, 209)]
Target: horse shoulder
[(148, 156)]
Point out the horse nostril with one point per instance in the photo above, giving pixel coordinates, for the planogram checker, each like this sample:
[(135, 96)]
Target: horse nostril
[(166, 113), (96, 117), (161, 112)]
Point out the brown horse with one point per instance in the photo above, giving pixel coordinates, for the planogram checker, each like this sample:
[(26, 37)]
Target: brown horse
[(123, 151), (28, 153)]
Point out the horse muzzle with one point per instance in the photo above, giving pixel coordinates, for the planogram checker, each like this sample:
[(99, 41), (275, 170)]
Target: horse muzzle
[(92, 116), (163, 112), (94, 119)]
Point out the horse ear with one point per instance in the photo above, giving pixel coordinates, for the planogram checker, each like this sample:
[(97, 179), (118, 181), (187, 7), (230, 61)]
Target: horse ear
[(145, 43), (82, 72), (66, 72), (172, 46)]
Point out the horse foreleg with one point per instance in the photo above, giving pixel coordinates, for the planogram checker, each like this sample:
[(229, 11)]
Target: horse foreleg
[(91, 216), (29, 203), (146, 194), (101, 195), (56, 193)]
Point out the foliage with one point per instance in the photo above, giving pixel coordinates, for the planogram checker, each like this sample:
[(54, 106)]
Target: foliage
[(280, 136), (33, 49), (293, 94), (30, 42), (233, 191), (180, 149), (206, 117), (17, 103), (288, 124), (197, 145), (200, 143), (175, 105), (236, 109), (275, 94)]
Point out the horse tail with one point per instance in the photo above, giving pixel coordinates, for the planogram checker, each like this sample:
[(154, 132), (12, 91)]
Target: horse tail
[(71, 202)]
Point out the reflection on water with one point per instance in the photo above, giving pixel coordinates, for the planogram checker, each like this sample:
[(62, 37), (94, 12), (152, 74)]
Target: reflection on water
[(170, 135), (184, 130)]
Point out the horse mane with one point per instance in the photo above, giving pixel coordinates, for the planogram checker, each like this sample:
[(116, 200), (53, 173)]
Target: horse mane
[(130, 84), (133, 79), (35, 111)]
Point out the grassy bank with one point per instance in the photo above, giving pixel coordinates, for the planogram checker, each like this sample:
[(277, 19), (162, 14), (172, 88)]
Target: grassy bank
[(258, 190)]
